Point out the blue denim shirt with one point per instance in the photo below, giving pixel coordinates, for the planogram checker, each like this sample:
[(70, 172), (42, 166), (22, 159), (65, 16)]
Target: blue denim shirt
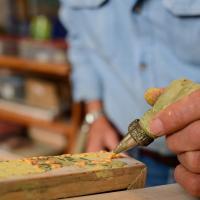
[(118, 50)]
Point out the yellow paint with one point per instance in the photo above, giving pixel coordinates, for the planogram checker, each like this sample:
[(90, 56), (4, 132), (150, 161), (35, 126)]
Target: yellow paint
[(104, 174), (17, 167), (35, 165)]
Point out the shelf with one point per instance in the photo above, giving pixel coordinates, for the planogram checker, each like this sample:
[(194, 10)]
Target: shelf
[(68, 128), (60, 43), (22, 64), (57, 126)]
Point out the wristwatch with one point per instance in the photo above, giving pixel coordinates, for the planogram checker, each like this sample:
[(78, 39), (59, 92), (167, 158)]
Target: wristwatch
[(91, 117)]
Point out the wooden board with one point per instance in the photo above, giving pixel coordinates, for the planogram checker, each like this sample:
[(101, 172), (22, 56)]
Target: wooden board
[(166, 192), (68, 176)]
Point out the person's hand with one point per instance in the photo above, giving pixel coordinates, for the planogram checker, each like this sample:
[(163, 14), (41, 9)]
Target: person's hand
[(180, 122), (102, 136)]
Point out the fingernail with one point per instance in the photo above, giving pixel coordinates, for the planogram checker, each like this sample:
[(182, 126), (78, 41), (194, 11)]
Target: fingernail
[(156, 127)]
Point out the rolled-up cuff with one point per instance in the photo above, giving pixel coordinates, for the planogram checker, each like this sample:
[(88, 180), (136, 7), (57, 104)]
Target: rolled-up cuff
[(86, 91)]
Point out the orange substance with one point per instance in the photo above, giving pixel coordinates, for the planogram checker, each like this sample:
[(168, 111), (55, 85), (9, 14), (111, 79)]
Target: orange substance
[(152, 94)]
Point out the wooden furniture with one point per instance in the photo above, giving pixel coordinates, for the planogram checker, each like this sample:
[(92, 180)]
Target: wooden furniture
[(166, 192), (61, 72), (21, 64), (68, 175)]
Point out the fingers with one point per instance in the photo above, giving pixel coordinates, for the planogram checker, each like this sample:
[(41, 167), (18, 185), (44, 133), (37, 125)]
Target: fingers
[(111, 140), (190, 181), (93, 148), (102, 136), (186, 139), (177, 116), (191, 161), (108, 140), (151, 95), (94, 140), (93, 145)]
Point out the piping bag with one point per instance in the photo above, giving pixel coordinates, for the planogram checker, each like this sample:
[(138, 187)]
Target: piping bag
[(139, 133)]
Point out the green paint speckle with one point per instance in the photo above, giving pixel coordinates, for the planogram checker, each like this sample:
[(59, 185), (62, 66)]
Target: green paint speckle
[(37, 165)]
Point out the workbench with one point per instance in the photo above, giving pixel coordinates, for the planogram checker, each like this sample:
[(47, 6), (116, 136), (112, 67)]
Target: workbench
[(166, 192), (83, 177)]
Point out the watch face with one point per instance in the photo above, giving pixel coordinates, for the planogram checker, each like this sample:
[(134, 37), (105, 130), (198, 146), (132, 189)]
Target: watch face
[(93, 116), (89, 118)]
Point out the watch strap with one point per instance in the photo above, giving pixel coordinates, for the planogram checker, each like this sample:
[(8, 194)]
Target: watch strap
[(91, 117)]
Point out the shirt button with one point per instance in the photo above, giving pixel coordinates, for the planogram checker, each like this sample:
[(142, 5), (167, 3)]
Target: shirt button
[(137, 8), (143, 66)]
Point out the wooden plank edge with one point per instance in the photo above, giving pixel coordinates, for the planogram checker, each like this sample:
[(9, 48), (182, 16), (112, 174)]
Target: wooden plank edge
[(22, 64), (64, 185)]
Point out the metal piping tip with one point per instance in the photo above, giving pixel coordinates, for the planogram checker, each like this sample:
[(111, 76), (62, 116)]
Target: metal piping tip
[(136, 136), (127, 143)]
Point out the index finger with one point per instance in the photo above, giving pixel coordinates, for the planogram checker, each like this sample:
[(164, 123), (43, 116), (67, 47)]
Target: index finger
[(177, 116)]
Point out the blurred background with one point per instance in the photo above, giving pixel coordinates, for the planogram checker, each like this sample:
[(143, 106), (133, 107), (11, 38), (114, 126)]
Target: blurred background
[(37, 114)]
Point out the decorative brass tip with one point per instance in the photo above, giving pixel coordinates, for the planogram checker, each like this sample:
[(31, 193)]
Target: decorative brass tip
[(139, 134), (136, 136)]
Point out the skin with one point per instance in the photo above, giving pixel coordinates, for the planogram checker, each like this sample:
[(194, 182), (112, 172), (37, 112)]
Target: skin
[(102, 136), (180, 123)]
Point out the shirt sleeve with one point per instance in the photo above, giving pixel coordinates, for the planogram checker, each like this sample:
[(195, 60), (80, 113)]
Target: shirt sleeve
[(85, 79)]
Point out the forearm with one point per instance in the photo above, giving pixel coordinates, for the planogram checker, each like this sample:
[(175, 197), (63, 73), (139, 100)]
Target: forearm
[(102, 136), (94, 105)]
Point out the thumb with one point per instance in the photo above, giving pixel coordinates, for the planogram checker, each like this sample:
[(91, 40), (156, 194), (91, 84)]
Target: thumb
[(177, 116)]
